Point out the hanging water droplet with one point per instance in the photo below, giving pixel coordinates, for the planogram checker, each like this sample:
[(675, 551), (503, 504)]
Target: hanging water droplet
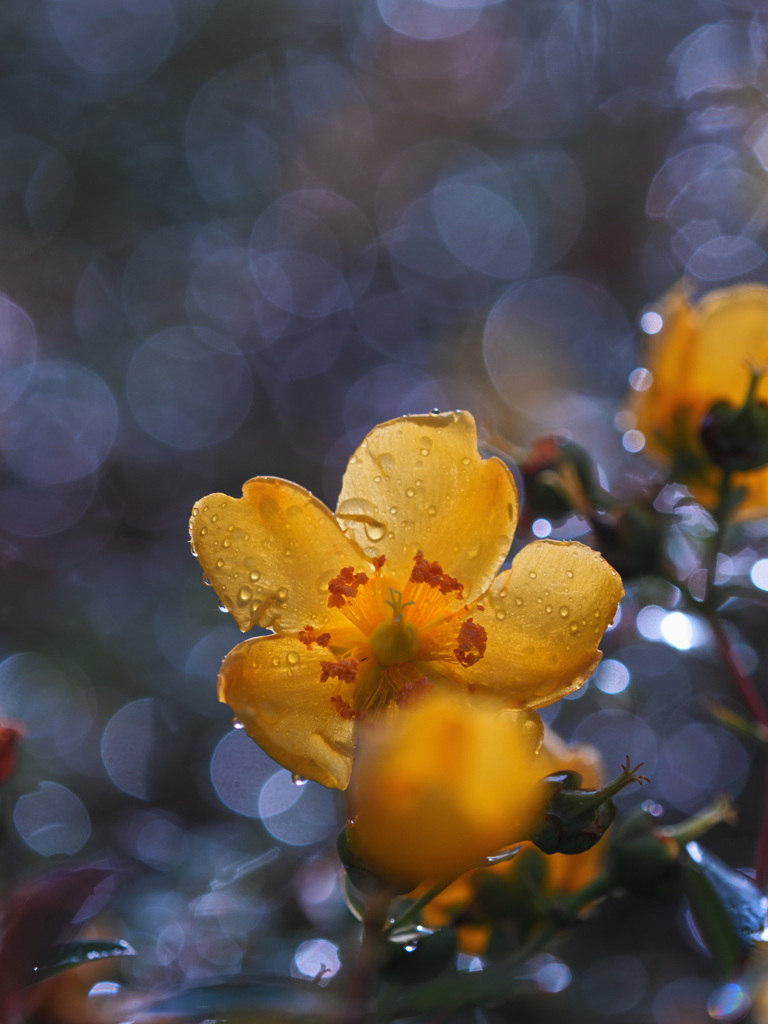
[(192, 549), (223, 607), (374, 531), (411, 947), (237, 724), (207, 582), (435, 411), (298, 780)]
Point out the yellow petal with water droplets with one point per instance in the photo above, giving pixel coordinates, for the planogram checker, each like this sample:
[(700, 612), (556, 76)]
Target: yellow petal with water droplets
[(419, 483), (270, 554), (272, 683), (545, 618)]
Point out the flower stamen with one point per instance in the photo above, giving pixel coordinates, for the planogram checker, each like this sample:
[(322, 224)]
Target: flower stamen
[(432, 574), (345, 586), (344, 669), (472, 638), (307, 637)]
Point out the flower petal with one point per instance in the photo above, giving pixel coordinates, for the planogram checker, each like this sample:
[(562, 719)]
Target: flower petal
[(419, 483), (544, 618), (272, 683), (270, 554)]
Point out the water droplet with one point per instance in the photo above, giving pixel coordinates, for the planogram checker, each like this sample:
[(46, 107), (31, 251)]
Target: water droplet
[(244, 595), (276, 662), (223, 607), (298, 780), (387, 462), (519, 602), (193, 549), (569, 574), (230, 528), (203, 530), (431, 510), (574, 628), (293, 658), (237, 724), (565, 611), (377, 479), (435, 411), (215, 517), (474, 550), (501, 614), (393, 510), (419, 483), (374, 531), (548, 609), (288, 552), (219, 563), (226, 542), (255, 576), (282, 594), (194, 511), (466, 460), (409, 491), (207, 582), (532, 574), (425, 451)]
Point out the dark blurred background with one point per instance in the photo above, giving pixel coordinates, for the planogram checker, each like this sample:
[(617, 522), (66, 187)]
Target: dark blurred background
[(233, 237)]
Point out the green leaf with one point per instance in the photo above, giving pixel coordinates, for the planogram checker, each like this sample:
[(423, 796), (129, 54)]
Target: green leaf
[(712, 921), (743, 904), (72, 954)]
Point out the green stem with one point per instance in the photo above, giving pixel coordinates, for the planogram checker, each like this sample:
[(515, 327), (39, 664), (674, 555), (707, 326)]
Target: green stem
[(720, 515), (413, 911), (598, 887)]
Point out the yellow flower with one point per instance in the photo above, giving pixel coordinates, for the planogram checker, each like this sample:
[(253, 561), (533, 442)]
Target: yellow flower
[(703, 354), (442, 787), (564, 873), (393, 595)]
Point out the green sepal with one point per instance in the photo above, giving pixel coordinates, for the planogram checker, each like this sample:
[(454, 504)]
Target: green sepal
[(360, 875), (85, 951), (736, 439), (641, 862), (577, 818)]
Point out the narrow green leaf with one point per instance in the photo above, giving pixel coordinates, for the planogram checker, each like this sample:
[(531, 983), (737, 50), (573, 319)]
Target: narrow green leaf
[(72, 954), (712, 921)]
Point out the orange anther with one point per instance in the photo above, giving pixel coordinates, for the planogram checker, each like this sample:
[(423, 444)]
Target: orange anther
[(343, 669), (432, 574), (472, 637), (307, 637), (418, 688), (344, 709), (345, 585)]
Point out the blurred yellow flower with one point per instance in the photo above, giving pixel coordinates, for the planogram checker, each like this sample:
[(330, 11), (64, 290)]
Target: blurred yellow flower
[(442, 787), (564, 873), (703, 354), (394, 594)]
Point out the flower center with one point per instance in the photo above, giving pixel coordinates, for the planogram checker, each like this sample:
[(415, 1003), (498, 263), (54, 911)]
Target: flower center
[(397, 641)]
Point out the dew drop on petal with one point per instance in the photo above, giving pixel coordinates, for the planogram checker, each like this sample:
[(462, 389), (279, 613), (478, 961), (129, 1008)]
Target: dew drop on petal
[(519, 602), (293, 658), (548, 609), (501, 614), (374, 531), (255, 576), (431, 510), (532, 574), (215, 517), (569, 574), (565, 611), (244, 595), (282, 594), (409, 491), (219, 563), (203, 530)]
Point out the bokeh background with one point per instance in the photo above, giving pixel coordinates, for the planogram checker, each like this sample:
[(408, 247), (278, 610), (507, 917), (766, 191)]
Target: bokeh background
[(233, 237)]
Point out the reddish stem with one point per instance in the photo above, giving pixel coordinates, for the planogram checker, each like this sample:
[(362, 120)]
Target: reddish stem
[(355, 1010), (747, 689)]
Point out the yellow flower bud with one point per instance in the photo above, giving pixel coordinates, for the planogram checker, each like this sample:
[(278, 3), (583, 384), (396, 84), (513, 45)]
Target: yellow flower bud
[(441, 788)]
